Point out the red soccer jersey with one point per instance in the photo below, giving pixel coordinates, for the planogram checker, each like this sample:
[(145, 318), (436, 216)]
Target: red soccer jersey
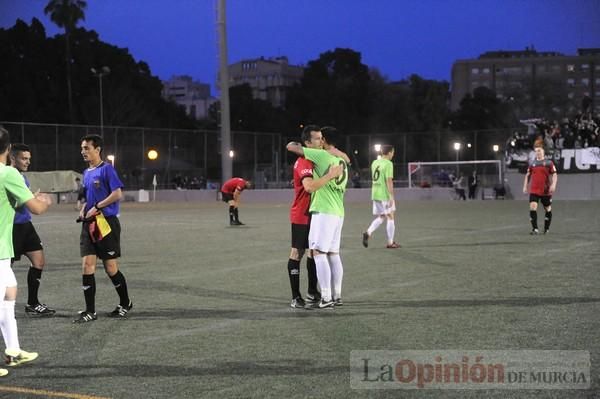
[(539, 176), (232, 184), (299, 211)]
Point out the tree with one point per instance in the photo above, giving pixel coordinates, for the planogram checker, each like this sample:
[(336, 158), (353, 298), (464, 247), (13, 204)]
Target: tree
[(66, 14), (481, 110)]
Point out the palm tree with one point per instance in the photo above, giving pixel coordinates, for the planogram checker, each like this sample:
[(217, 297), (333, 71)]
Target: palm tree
[(66, 14)]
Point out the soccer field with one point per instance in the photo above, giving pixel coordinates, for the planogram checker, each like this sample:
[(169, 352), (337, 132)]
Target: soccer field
[(211, 316)]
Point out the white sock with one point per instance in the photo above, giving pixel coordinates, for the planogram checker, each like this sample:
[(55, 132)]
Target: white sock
[(391, 229), (374, 225), (8, 325), (324, 276), (337, 274)]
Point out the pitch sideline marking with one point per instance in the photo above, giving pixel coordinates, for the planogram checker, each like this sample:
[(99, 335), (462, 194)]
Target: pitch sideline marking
[(54, 394)]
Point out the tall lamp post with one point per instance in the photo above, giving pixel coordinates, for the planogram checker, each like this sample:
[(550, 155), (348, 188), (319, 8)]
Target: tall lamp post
[(457, 146), (100, 74)]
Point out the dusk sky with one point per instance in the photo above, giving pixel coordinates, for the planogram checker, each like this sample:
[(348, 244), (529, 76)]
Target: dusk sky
[(396, 36)]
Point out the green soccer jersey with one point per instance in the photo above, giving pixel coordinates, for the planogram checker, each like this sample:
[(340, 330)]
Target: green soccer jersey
[(381, 170), (329, 199), (13, 193)]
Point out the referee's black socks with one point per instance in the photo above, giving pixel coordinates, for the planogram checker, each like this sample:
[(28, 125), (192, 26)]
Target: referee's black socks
[(120, 285), (89, 292)]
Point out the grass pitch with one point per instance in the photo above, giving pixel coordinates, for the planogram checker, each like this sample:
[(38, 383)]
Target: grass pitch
[(211, 316)]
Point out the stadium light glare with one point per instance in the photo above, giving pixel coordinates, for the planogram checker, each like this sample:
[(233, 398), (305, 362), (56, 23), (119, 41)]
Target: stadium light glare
[(468, 145), (152, 155), (457, 146), (377, 147), (231, 154), (496, 147)]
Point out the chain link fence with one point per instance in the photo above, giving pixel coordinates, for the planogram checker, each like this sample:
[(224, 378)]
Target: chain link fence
[(192, 158)]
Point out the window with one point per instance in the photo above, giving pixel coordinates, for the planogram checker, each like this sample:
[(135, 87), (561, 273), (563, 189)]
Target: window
[(475, 71), (585, 67), (571, 82), (486, 70), (585, 82), (570, 68), (571, 95)]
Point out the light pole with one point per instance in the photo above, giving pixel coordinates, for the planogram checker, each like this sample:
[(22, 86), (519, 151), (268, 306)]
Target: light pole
[(457, 146), (100, 74)]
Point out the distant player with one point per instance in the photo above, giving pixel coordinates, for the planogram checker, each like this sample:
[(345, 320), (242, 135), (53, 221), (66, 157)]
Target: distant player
[(304, 185), (543, 177), (26, 240), (327, 216), (382, 194), (231, 193)]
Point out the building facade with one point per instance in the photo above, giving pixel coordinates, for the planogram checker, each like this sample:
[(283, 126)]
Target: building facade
[(194, 96), (269, 78), (525, 76)]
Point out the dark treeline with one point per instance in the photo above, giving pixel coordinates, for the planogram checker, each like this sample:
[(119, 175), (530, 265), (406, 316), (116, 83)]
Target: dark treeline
[(336, 89)]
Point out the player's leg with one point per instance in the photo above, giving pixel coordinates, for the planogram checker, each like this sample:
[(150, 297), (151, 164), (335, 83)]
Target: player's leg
[(88, 279), (391, 231), (34, 276), (379, 213), (320, 238), (120, 283), (8, 323), (547, 203), (335, 263), (533, 204), (311, 271), (294, 277)]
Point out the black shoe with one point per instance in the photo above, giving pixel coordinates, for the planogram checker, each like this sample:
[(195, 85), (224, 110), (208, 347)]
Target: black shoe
[(121, 311), (338, 302), (41, 309), (298, 302), (85, 317), (534, 232), (365, 239), (313, 299), (546, 231), (236, 223)]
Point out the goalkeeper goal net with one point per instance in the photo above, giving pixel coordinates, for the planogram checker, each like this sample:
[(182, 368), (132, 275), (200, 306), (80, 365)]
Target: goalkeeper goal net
[(446, 174)]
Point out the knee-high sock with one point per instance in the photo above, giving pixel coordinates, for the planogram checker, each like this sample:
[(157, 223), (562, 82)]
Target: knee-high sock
[(311, 269), (324, 276), (89, 292), (547, 220), (33, 285), (533, 219), (391, 229), (374, 225), (337, 274), (8, 325), (120, 285), (294, 275), (231, 213)]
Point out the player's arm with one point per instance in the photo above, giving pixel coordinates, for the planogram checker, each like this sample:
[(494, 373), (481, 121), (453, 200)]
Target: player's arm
[(525, 182), (236, 194), (296, 148), (340, 154), (389, 182), (114, 196), (553, 181), (311, 185), (39, 203)]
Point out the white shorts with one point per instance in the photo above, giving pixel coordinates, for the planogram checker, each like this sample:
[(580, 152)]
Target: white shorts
[(7, 277), (383, 207), (325, 232)]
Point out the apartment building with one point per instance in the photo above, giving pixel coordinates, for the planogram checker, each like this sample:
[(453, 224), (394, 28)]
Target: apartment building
[(194, 96)]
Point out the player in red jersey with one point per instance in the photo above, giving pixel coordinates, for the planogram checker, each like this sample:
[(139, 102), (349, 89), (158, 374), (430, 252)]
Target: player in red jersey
[(542, 175), (230, 193), (304, 185)]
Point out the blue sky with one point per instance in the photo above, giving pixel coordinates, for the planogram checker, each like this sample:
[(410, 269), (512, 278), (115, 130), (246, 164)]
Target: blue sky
[(397, 37)]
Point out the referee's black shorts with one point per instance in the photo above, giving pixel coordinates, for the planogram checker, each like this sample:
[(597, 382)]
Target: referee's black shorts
[(25, 239), (300, 235), (107, 248)]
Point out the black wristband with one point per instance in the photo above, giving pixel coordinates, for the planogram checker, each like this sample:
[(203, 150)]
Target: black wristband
[(97, 206)]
